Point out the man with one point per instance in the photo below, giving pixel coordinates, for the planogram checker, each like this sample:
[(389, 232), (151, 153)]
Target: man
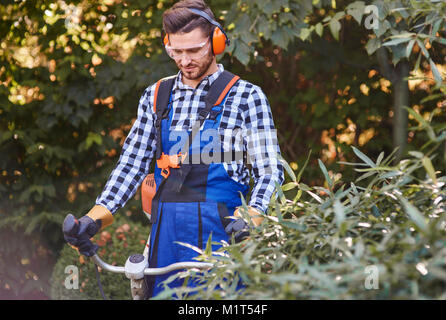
[(193, 197)]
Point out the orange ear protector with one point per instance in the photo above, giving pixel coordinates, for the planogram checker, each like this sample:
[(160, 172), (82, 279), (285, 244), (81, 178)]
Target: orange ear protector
[(219, 39)]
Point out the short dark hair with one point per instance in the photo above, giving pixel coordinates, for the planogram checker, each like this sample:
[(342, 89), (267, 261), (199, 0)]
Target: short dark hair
[(178, 19)]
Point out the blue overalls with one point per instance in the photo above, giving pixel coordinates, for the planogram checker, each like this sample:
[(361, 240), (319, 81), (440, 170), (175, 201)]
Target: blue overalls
[(194, 209)]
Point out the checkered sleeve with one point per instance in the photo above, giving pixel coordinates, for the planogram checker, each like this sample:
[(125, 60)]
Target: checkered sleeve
[(134, 161), (262, 148)]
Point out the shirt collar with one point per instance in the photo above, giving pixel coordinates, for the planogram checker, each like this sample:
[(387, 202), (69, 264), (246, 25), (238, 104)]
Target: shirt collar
[(208, 79)]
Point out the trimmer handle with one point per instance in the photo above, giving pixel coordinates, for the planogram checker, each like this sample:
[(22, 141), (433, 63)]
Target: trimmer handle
[(70, 225)]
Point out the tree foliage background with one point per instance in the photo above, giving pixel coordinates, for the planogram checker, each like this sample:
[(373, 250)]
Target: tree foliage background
[(337, 74)]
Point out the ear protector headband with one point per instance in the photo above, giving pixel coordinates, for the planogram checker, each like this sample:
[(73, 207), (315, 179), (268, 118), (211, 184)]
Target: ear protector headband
[(219, 39)]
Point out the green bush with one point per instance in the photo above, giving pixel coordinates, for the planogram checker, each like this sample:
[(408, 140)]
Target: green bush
[(118, 241), (381, 237)]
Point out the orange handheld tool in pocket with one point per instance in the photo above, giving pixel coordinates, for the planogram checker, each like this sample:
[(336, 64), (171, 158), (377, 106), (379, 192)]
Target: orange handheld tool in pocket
[(148, 190), (165, 162)]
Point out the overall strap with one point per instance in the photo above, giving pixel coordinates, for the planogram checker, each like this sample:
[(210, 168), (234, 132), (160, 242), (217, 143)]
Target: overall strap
[(161, 100), (219, 89), (217, 92)]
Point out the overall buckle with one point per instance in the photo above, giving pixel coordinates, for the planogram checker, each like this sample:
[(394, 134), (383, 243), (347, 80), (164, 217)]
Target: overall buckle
[(165, 162)]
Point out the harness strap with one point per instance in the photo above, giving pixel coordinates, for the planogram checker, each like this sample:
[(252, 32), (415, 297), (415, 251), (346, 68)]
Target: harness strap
[(160, 106), (218, 90)]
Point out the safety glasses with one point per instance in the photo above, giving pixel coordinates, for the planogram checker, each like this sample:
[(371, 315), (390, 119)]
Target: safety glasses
[(194, 53)]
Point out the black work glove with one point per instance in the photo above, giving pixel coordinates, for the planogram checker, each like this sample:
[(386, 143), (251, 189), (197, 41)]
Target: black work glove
[(78, 233), (239, 228)]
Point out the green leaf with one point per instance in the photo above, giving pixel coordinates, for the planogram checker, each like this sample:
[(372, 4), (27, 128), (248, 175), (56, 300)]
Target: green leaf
[(287, 168), (372, 45), (242, 52), (423, 48), (397, 41), (417, 63), (359, 249), (414, 214), (289, 186), (271, 7), (92, 138), (398, 53), (325, 172), (437, 76), (299, 175), (319, 29), (409, 48), (375, 211), (190, 246), (339, 212), (364, 157), (374, 169), (315, 196), (244, 204), (208, 250), (380, 158), (418, 117), (293, 225), (383, 26), (356, 10), (416, 154), (427, 163), (335, 27), (304, 187), (282, 197), (280, 38), (296, 198), (277, 209), (305, 33), (436, 27), (365, 175), (424, 124)]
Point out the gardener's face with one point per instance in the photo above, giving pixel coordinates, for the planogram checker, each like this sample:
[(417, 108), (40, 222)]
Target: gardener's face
[(192, 53)]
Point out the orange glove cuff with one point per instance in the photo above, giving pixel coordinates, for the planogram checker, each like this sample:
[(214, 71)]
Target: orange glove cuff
[(101, 213), (256, 215)]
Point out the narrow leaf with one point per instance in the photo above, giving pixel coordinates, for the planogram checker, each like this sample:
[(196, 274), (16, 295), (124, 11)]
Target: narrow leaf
[(339, 212), (303, 168), (414, 214), (437, 75), (363, 157), (289, 186), (319, 29), (410, 47), (335, 27), (380, 158), (394, 42), (325, 172), (423, 48), (287, 168), (427, 163)]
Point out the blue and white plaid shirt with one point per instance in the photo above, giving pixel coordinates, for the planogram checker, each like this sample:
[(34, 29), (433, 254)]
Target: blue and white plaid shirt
[(246, 125)]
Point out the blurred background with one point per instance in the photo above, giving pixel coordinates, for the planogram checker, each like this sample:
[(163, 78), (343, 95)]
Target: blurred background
[(337, 74)]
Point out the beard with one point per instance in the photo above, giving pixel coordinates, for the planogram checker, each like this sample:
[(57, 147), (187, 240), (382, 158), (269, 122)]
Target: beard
[(199, 68)]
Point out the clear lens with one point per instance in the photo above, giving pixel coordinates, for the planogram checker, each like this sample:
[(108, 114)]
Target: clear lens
[(194, 53)]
